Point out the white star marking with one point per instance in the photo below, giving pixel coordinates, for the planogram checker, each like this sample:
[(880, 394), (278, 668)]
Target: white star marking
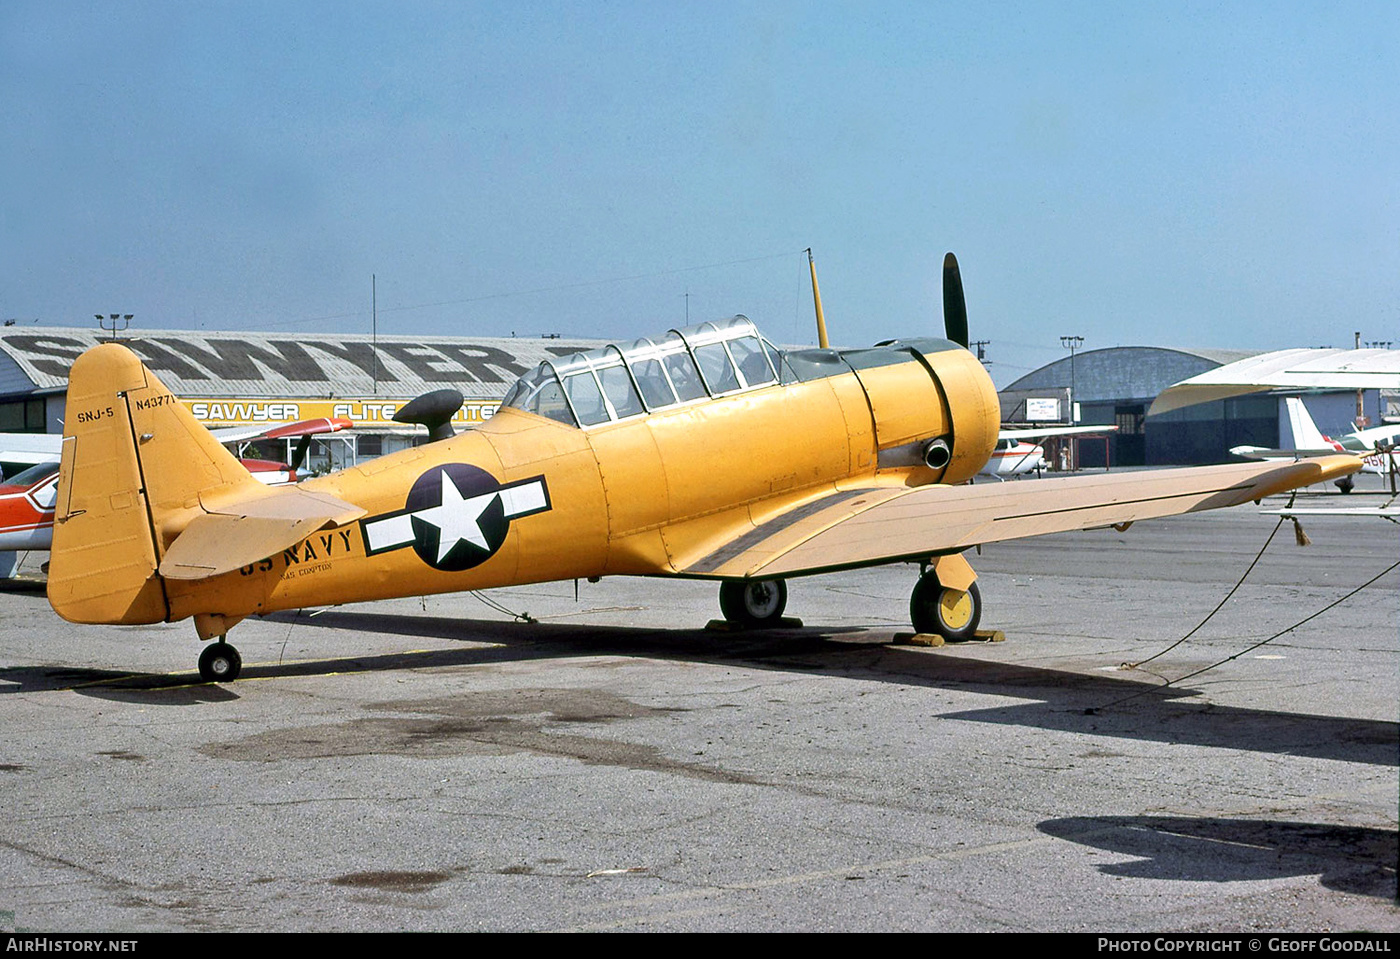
[(456, 518)]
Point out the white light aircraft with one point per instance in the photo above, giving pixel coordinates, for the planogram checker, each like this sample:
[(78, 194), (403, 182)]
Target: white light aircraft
[(1375, 446), (1014, 456)]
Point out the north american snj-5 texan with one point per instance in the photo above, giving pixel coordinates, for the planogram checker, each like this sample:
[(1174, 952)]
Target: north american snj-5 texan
[(706, 453)]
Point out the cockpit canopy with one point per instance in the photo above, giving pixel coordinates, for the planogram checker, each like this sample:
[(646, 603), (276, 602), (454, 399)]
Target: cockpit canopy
[(686, 366), (618, 382)]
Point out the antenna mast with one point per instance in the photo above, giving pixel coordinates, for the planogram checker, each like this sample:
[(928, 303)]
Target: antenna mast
[(817, 299)]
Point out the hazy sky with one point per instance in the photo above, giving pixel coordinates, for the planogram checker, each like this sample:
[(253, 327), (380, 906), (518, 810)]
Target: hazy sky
[(1175, 174)]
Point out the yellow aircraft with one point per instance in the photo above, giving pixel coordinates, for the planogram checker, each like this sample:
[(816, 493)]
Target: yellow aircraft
[(707, 453)]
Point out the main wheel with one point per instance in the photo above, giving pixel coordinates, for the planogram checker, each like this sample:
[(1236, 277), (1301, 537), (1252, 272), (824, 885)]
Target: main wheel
[(951, 613), (753, 602), (219, 663), (1346, 484)]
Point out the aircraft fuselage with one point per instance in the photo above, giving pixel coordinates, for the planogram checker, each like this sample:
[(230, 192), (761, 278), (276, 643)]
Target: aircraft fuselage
[(523, 498)]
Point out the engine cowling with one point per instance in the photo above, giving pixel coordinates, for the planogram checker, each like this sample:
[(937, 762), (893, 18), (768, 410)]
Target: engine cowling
[(936, 412)]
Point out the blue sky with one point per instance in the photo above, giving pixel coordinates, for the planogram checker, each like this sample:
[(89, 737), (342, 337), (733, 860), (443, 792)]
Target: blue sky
[(1175, 174)]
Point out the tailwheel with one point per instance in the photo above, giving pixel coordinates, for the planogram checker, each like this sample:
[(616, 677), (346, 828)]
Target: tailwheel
[(950, 613), (219, 663), (753, 602)]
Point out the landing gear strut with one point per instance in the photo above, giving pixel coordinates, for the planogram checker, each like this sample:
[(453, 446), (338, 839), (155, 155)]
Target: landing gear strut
[(753, 602), (219, 663), (950, 613)]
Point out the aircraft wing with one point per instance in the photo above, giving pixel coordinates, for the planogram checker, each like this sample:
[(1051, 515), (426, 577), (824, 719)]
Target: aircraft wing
[(861, 527), (1014, 433), (265, 431), (1391, 513), (30, 448), (1296, 369), (1264, 453)]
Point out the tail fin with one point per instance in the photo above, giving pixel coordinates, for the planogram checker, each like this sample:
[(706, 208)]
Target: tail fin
[(135, 466), (1306, 435)]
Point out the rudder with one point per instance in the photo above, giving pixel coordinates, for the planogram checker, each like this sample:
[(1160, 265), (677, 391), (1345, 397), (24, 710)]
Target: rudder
[(135, 465), (1306, 435)]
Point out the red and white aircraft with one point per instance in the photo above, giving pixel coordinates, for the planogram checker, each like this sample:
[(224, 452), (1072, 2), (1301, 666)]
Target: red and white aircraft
[(27, 498), (26, 508)]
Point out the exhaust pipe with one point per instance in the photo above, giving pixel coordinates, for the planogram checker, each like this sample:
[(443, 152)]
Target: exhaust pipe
[(937, 454)]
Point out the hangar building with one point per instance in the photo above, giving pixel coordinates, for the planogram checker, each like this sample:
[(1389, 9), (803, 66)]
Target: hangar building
[(230, 379), (1117, 386)]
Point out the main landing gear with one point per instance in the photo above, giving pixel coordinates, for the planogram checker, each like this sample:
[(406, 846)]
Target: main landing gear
[(946, 601), (943, 610), (754, 603), (219, 663)]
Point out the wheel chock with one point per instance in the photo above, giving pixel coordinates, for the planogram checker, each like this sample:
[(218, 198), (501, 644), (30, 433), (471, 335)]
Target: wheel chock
[(933, 639), (918, 639)]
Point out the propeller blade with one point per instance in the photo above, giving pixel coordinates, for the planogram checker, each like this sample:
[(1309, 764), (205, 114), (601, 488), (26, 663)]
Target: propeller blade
[(299, 457), (954, 306)]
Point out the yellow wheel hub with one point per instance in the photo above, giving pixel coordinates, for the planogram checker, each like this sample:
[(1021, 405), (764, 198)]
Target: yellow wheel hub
[(955, 608)]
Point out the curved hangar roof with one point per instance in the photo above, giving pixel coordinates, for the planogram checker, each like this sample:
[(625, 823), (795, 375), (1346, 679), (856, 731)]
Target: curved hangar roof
[(1126, 372), (273, 365)]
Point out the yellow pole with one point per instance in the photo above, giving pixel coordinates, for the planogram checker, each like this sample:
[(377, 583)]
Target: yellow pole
[(817, 298)]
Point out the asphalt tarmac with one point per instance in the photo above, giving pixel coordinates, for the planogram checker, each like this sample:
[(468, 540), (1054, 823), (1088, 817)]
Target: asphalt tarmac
[(613, 765)]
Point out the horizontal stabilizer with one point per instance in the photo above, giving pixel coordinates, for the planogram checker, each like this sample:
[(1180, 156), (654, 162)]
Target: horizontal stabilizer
[(233, 535)]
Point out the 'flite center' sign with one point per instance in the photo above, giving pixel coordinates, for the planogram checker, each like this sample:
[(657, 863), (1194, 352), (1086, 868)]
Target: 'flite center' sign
[(229, 411)]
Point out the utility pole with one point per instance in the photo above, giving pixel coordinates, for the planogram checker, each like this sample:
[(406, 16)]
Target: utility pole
[(1361, 421), (374, 328)]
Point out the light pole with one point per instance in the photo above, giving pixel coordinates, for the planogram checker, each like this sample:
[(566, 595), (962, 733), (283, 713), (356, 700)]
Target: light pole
[(1072, 343), (114, 329)]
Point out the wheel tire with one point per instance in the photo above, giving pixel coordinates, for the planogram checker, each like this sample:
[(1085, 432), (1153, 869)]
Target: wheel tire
[(753, 602), (219, 663), (1346, 484), (950, 613)]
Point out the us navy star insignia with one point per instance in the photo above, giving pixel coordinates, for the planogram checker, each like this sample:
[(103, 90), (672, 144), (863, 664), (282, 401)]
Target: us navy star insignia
[(456, 516)]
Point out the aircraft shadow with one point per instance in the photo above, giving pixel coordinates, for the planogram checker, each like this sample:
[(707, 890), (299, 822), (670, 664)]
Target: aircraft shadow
[(1348, 858), (543, 641), (1056, 699), (177, 689), (1053, 699)]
